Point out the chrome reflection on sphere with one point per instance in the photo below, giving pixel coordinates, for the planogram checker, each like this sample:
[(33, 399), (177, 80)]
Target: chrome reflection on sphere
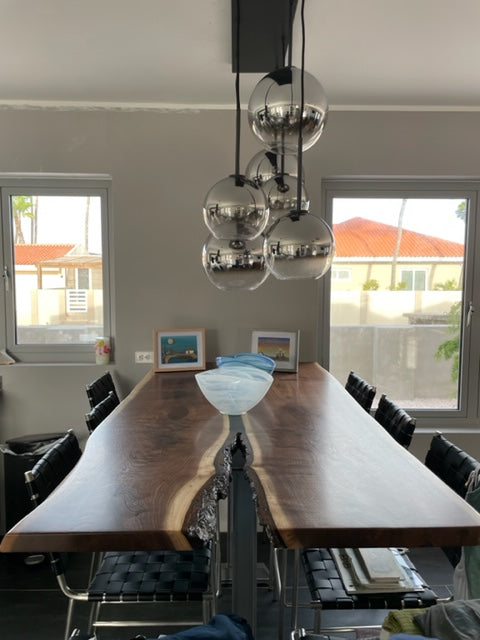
[(235, 264), (275, 110), (236, 208), (299, 245)]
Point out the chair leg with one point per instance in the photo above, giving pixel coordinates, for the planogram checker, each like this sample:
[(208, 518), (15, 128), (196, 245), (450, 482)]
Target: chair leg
[(273, 574), (68, 623), (208, 609), (281, 579), (93, 617), (295, 586), (317, 619)]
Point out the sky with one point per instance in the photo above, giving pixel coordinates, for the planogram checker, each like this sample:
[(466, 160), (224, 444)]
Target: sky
[(61, 219), (434, 217)]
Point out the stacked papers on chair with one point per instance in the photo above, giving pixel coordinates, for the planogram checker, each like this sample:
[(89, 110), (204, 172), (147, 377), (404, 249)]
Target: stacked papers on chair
[(375, 570)]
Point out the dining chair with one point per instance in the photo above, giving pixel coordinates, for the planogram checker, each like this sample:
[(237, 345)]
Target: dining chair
[(99, 389), (320, 565), (399, 424), (100, 411), (173, 578), (361, 390), (452, 465), (330, 590)]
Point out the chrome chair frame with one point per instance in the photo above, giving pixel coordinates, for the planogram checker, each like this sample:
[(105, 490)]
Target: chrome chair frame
[(165, 583)]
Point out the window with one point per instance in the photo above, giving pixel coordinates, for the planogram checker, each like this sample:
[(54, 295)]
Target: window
[(405, 322), (56, 268), (341, 274), (413, 279)]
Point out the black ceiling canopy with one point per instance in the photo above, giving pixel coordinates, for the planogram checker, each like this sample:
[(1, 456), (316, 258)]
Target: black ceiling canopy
[(265, 34)]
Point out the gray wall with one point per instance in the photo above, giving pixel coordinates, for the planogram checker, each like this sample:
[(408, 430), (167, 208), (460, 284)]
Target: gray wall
[(162, 165)]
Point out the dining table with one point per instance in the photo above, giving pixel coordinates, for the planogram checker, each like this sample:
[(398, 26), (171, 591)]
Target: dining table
[(307, 464)]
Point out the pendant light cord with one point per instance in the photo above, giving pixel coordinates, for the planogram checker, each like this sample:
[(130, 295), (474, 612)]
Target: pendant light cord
[(302, 106), (290, 35), (238, 181)]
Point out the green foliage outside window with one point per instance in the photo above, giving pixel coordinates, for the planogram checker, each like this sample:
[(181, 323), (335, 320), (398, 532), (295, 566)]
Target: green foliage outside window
[(450, 349), (371, 285)]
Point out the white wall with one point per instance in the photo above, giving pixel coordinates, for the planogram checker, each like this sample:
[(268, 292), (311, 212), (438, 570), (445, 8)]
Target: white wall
[(162, 165)]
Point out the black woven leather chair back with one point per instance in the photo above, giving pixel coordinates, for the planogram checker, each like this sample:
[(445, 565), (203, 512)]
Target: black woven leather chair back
[(104, 408), (131, 577), (450, 463), (399, 424), (99, 389), (361, 390), (52, 468)]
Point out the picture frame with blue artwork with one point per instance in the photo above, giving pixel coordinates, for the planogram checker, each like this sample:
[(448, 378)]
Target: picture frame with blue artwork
[(281, 346), (179, 349)]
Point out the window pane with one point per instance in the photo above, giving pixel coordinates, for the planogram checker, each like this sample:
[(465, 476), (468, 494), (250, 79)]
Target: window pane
[(397, 322), (406, 277), (420, 280), (58, 268)]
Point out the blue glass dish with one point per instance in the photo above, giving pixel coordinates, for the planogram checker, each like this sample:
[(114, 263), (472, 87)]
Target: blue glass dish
[(257, 360)]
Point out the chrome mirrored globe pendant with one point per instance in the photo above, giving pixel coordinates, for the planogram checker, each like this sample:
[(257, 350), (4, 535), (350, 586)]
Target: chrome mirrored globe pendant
[(236, 213), (299, 245), (266, 164), (235, 264), (282, 196), (236, 208), (276, 110)]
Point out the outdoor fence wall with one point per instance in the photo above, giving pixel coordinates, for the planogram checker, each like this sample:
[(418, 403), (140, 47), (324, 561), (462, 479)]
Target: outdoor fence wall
[(399, 359)]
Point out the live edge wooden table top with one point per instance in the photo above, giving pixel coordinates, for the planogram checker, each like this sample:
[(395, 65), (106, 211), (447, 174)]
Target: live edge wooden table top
[(322, 471)]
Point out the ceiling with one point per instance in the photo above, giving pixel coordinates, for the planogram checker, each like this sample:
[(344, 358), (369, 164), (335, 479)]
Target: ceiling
[(177, 54)]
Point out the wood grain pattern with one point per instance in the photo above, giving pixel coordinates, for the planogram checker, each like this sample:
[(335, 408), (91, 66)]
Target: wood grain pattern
[(147, 478), (326, 474), (323, 473)]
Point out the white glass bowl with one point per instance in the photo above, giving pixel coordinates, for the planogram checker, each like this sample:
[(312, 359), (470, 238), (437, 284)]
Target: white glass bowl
[(234, 390)]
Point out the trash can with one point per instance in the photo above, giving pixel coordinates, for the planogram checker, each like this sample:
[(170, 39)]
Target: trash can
[(20, 455)]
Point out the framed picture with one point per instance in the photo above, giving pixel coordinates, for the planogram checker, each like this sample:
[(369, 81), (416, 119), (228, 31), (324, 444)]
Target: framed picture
[(179, 349), (281, 346)]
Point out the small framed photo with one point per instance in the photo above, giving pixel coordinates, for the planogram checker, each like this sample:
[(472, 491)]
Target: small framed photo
[(179, 349), (281, 346)]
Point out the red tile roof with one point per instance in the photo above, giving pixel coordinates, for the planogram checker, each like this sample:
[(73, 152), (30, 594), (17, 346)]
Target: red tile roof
[(359, 237), (34, 253)]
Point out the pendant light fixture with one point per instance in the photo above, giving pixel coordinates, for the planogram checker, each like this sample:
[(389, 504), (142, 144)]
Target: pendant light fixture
[(267, 164), (235, 264), (236, 213), (236, 207), (276, 174), (275, 110), (299, 244)]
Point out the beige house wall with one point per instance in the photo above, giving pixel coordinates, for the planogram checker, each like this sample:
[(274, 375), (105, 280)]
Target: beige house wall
[(361, 272), (388, 307)]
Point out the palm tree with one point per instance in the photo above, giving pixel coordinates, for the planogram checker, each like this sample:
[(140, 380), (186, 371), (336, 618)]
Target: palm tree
[(396, 252), (87, 224), (22, 207)]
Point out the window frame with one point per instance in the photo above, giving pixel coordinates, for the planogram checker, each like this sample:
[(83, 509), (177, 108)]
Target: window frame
[(336, 271), (413, 272), (466, 418), (53, 185)]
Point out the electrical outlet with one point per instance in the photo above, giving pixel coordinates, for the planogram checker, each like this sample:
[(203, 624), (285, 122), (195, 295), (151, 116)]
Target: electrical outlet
[(143, 357)]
